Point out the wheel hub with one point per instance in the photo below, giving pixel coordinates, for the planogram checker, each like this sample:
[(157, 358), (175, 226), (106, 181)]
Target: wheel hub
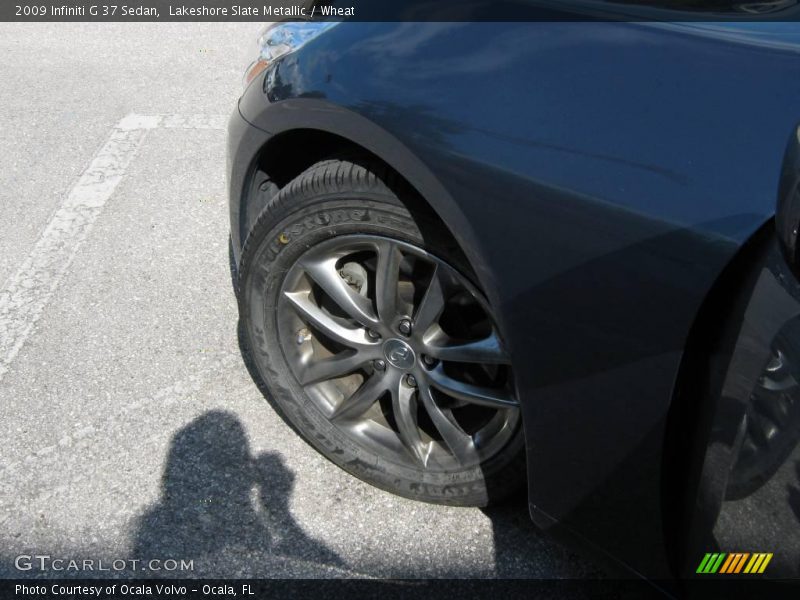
[(399, 354)]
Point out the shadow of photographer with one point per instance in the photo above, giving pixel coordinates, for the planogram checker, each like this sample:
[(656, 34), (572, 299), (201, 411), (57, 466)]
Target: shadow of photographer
[(227, 510)]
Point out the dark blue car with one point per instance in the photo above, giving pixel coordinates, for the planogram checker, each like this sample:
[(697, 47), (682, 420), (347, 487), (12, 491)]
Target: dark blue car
[(562, 254)]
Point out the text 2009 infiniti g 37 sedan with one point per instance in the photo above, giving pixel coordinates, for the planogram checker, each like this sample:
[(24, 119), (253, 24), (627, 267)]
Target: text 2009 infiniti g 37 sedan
[(472, 256)]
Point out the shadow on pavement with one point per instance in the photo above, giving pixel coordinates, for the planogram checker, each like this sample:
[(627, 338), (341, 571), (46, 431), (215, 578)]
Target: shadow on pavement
[(226, 510), (522, 551)]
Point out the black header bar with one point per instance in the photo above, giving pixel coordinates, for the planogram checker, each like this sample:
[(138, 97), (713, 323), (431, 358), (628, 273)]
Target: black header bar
[(399, 10)]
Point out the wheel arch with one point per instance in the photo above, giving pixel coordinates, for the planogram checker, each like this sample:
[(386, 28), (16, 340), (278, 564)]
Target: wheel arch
[(302, 131)]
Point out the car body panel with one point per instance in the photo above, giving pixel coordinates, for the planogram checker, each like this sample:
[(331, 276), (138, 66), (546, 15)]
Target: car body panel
[(600, 177)]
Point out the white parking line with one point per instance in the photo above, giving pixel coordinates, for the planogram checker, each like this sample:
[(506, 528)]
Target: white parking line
[(27, 292), (194, 121)]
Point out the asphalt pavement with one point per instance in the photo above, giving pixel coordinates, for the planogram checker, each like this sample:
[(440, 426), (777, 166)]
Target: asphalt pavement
[(130, 429)]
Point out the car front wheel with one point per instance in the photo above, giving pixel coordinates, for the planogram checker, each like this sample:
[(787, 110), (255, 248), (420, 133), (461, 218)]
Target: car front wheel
[(375, 344)]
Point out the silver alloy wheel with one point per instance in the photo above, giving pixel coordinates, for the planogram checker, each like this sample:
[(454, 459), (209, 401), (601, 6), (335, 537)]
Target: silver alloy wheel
[(399, 351)]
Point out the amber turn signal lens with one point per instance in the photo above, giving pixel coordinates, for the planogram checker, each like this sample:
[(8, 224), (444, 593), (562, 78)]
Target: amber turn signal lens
[(254, 70)]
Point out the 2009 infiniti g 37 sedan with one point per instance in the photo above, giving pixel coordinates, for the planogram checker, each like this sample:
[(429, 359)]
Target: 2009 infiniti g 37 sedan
[(474, 256)]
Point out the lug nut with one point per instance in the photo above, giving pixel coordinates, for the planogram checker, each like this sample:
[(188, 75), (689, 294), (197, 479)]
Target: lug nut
[(411, 381), (374, 335), (428, 360), (379, 365), (404, 327)]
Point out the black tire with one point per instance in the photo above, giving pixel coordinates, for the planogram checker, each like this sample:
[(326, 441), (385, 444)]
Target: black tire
[(341, 197)]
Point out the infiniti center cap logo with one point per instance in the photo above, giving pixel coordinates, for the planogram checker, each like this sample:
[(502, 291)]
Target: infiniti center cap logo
[(399, 354)]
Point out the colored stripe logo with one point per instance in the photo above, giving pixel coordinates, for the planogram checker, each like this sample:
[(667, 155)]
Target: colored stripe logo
[(734, 562)]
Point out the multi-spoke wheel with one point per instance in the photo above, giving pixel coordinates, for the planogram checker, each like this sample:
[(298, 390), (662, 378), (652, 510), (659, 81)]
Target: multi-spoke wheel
[(771, 426), (397, 349), (374, 343)]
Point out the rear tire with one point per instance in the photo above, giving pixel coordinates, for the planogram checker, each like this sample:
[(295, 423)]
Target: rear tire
[(353, 209)]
